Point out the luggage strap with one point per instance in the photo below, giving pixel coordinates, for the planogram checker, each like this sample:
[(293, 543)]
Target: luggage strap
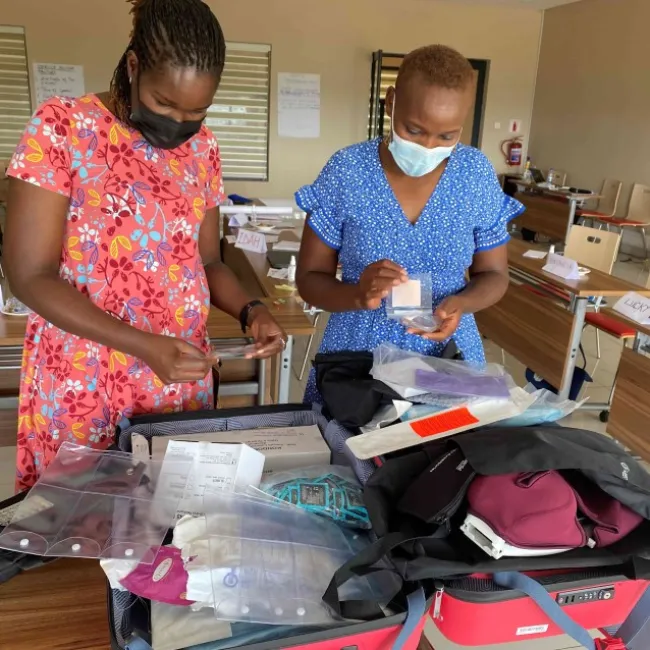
[(634, 633)]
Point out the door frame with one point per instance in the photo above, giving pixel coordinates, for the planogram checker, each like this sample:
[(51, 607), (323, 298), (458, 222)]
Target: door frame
[(377, 103)]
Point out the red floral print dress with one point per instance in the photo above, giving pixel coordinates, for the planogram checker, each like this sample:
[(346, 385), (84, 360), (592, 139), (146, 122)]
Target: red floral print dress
[(131, 247)]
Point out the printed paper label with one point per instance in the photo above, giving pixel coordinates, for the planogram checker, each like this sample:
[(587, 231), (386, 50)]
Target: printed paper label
[(532, 629)]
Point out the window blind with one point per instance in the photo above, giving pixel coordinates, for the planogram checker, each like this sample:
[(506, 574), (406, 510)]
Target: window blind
[(239, 116), (15, 99)]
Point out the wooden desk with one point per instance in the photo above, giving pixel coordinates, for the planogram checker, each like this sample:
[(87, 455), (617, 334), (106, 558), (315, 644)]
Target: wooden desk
[(61, 606), (252, 271), (595, 284), (536, 332), (549, 212), (528, 341), (630, 412)]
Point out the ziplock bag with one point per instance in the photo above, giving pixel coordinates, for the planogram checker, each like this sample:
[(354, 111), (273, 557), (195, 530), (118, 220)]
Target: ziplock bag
[(271, 564), (440, 376), (546, 408), (98, 504), (411, 299), (232, 351), (328, 491)]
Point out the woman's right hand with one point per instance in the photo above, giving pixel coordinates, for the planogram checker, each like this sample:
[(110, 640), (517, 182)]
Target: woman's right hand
[(376, 282), (175, 361)]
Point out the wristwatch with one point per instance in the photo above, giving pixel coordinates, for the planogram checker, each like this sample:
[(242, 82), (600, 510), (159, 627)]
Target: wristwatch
[(245, 313)]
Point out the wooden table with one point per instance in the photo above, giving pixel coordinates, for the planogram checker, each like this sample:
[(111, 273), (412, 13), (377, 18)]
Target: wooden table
[(544, 210), (252, 271), (61, 606), (540, 333)]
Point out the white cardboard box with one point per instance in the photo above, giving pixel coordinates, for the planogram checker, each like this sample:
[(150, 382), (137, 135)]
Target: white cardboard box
[(283, 448)]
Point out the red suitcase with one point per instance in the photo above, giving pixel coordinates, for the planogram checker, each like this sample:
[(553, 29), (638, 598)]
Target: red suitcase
[(594, 599)]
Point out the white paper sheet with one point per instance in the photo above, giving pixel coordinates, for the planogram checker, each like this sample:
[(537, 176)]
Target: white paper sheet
[(563, 267), (635, 307), (298, 105), (408, 294), (535, 255), (215, 465), (55, 79), (251, 240), (278, 274)]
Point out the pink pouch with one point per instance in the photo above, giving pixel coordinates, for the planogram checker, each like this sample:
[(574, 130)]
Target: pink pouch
[(165, 580)]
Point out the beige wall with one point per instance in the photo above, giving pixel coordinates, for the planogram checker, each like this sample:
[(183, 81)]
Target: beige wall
[(592, 104), (332, 37)]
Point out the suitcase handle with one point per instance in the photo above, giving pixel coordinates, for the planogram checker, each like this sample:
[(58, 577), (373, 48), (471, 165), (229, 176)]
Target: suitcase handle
[(634, 633)]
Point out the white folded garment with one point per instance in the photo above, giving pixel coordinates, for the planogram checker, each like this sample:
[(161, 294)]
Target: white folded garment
[(173, 628)]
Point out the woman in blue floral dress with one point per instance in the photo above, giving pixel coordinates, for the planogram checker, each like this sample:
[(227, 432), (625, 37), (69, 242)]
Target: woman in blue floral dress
[(417, 203)]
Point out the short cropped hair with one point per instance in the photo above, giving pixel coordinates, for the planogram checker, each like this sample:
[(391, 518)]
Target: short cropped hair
[(437, 65)]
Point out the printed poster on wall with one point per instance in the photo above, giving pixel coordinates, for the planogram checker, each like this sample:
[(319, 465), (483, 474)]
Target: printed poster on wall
[(56, 79), (298, 105)]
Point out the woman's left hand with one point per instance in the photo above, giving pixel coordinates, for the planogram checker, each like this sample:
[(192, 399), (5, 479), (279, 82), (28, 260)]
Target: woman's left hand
[(448, 314), (269, 337)]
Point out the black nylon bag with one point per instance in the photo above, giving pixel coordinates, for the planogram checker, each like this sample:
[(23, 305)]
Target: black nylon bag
[(422, 551)]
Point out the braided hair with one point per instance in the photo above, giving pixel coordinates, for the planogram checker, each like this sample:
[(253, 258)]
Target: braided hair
[(182, 33)]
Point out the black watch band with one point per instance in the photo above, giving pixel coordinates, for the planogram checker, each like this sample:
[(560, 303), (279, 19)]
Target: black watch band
[(246, 312)]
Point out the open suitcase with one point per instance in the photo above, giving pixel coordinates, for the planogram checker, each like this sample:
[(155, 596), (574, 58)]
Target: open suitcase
[(129, 616)]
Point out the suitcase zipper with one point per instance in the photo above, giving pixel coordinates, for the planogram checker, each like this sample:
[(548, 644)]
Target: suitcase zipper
[(437, 601)]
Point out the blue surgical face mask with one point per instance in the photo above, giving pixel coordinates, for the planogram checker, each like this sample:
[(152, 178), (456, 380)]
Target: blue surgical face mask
[(414, 159)]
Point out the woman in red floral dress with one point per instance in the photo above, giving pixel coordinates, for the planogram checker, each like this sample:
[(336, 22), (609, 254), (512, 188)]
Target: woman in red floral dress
[(112, 239)]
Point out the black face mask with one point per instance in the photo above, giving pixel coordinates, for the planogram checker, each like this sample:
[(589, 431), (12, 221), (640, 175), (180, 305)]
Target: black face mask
[(162, 132)]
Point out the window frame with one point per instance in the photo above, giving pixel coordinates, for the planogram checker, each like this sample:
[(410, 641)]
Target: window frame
[(5, 157), (233, 176)]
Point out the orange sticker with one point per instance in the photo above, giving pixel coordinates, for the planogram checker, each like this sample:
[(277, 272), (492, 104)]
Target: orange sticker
[(443, 423)]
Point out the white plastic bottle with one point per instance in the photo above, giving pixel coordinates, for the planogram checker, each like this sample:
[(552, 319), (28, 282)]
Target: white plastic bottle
[(291, 270)]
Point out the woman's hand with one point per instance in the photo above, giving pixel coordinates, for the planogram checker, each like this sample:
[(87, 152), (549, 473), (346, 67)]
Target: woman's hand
[(376, 282), (175, 361), (269, 337), (448, 314)]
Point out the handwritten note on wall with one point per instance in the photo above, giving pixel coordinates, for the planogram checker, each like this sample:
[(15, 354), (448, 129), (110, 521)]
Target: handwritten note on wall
[(55, 79), (298, 105)]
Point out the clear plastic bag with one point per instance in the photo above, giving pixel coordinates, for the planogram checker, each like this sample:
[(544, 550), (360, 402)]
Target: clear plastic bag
[(411, 299), (447, 377), (98, 504), (224, 352), (328, 491), (272, 564), (546, 408)]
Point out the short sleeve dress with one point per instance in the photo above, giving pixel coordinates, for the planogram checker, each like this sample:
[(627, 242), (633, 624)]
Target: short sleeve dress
[(354, 211), (130, 246)]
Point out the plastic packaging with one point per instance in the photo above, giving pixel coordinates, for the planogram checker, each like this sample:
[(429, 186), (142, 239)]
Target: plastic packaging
[(98, 504), (329, 491), (232, 351), (546, 408), (446, 377), (411, 300), (271, 564), (425, 322)]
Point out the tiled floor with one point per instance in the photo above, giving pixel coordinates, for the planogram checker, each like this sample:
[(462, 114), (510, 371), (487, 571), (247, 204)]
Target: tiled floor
[(602, 372)]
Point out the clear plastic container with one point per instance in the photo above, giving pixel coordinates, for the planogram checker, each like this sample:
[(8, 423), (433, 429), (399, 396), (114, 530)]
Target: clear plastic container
[(98, 504)]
